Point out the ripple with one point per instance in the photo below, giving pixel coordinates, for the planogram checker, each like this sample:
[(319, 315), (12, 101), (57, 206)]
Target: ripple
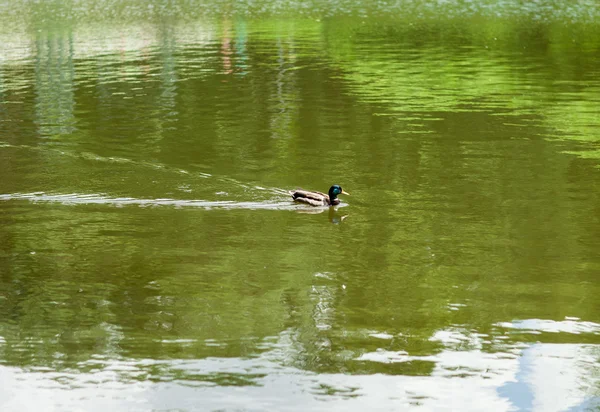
[(98, 199)]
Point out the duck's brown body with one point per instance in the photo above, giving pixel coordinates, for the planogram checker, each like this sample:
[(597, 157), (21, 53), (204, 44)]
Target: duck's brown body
[(313, 198)]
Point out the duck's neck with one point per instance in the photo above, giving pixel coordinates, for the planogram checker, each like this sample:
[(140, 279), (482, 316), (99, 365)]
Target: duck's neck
[(333, 200)]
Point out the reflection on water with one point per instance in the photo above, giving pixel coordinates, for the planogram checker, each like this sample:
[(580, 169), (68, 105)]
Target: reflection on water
[(333, 213), (150, 257), (540, 377), (54, 84)]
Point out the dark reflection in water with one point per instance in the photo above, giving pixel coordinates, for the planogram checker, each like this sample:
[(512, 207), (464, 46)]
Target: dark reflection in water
[(150, 256), (333, 213)]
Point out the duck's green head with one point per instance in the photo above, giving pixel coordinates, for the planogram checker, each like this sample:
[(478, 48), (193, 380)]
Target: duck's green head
[(336, 190)]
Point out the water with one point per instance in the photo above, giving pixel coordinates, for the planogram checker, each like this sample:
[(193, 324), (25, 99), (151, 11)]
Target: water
[(151, 259)]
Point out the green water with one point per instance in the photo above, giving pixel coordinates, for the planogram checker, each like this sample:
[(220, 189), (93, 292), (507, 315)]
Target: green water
[(151, 259)]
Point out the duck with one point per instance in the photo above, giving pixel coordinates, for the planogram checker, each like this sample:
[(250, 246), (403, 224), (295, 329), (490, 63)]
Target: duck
[(318, 198)]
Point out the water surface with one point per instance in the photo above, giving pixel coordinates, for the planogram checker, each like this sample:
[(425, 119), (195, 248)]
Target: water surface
[(150, 257)]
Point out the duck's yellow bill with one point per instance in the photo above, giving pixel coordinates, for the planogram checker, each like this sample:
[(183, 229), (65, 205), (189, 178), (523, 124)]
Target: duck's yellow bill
[(345, 193)]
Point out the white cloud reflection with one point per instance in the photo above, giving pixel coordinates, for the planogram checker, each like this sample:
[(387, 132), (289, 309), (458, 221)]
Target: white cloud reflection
[(539, 377)]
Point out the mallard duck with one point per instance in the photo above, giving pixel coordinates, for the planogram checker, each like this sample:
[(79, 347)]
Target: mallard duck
[(318, 198)]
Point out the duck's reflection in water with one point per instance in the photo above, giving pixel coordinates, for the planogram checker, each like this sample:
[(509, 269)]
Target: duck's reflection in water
[(334, 216)]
